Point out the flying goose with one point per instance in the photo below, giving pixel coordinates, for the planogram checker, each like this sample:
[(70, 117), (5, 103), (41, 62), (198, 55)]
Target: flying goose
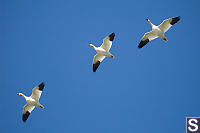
[(102, 51), (32, 101), (158, 31)]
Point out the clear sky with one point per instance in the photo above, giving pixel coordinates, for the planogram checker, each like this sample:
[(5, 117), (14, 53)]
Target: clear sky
[(148, 90)]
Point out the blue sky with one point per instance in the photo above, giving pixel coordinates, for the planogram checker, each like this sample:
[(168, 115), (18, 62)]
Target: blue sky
[(143, 90)]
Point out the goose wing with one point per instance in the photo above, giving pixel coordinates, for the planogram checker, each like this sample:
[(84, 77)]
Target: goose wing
[(37, 91), (107, 42), (166, 24), (96, 61), (28, 108), (146, 38)]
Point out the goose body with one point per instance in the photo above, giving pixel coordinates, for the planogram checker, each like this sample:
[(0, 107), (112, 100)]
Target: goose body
[(102, 51), (32, 101), (158, 31)]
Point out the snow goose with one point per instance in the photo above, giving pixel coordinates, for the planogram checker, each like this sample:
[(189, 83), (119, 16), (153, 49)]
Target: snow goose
[(158, 31), (32, 101), (102, 51)]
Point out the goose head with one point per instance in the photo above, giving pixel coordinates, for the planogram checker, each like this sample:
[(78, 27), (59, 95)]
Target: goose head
[(152, 25), (148, 20), (91, 45), (20, 94)]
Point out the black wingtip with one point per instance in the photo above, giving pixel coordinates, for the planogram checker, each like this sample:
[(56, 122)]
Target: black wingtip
[(25, 116), (112, 36), (175, 20), (96, 65), (143, 43), (41, 86)]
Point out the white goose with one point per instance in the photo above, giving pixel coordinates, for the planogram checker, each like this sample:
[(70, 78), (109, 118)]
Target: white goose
[(32, 101), (102, 51), (158, 31)]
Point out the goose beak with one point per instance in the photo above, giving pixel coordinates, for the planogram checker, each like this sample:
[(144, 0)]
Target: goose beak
[(147, 20), (17, 93)]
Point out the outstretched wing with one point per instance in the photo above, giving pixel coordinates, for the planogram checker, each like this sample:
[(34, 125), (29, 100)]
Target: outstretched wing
[(96, 61), (166, 24), (27, 111), (107, 42), (146, 38), (37, 91)]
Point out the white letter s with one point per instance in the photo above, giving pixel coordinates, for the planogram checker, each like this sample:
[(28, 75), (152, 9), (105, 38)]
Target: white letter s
[(192, 124)]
